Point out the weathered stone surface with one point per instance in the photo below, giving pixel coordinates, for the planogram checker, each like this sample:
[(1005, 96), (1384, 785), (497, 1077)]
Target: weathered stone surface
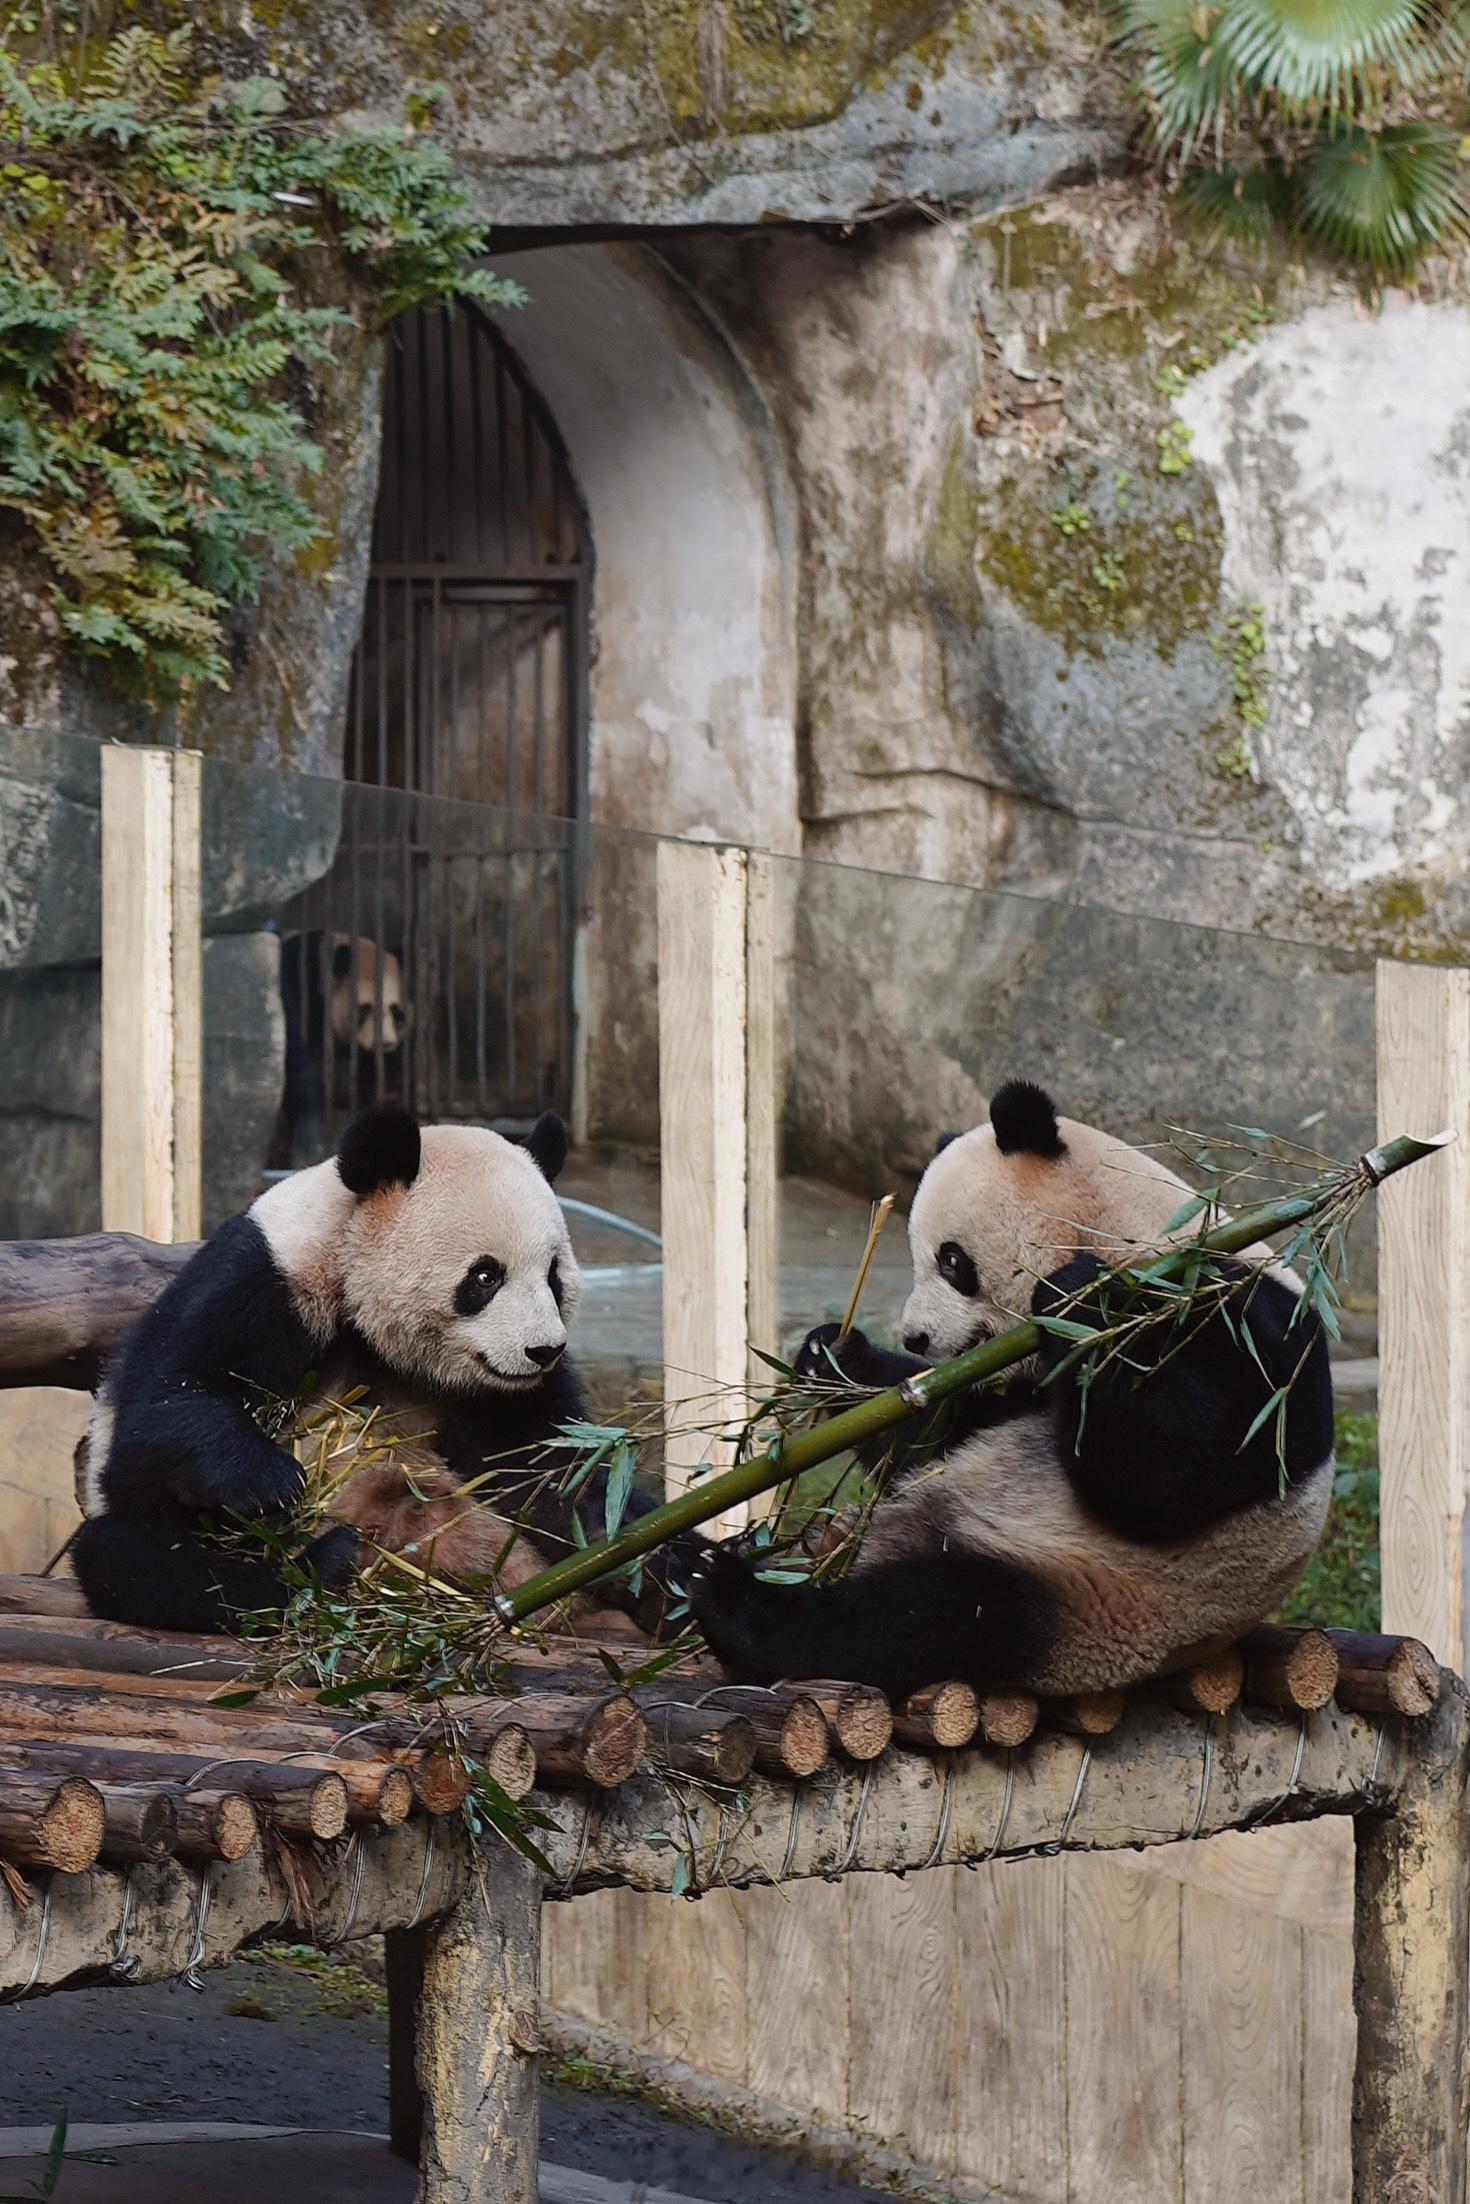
[(595, 112), (50, 1089), (244, 1058)]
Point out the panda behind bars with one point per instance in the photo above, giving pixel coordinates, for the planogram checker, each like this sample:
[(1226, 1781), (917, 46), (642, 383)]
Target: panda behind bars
[(1031, 1535)]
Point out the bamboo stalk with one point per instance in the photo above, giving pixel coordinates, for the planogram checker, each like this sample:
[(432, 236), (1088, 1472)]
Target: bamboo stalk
[(876, 1221), (732, 1488)]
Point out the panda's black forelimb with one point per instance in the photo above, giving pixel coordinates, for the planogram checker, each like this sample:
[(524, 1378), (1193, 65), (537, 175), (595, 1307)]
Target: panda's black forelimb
[(899, 1625), (1158, 1443), (919, 1440), (154, 1571)]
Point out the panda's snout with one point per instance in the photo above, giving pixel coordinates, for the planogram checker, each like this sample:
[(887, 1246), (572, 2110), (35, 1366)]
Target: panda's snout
[(545, 1353), (917, 1343)]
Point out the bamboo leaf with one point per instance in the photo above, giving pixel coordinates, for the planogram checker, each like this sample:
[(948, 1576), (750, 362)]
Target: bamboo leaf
[(1277, 1401), (619, 1486)]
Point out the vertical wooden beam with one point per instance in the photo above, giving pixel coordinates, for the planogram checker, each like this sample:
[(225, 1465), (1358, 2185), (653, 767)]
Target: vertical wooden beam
[(762, 1120), (403, 1964), (1424, 1306), (717, 1148), (151, 992), (478, 2038), (1411, 1974)]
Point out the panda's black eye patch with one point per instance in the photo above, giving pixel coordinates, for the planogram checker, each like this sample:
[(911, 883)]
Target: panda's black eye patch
[(956, 1269), (479, 1286), (553, 1279)]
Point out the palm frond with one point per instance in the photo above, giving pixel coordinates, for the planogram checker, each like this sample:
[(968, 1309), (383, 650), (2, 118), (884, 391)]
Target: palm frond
[(1314, 53), (1244, 205), (1187, 80), (1381, 199)]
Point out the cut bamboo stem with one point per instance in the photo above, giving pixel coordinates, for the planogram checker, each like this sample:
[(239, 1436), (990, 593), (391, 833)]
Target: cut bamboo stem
[(1384, 1675), (1293, 1670), (945, 1715), (876, 1221)]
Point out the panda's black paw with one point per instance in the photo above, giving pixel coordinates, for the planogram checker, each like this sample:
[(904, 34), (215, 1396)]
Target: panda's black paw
[(271, 1485), (335, 1558), (1069, 1294), (730, 1605), (826, 1357)]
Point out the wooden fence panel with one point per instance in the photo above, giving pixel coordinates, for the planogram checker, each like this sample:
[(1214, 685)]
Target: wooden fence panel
[(1011, 2079)]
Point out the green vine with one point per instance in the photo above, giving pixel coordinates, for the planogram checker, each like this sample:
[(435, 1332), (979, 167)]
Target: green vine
[(159, 253), (1240, 641)]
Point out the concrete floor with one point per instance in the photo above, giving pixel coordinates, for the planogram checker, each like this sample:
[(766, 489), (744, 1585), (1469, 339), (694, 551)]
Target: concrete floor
[(148, 2077)]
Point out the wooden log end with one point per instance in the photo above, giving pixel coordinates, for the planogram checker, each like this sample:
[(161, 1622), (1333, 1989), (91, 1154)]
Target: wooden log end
[(511, 1760), (805, 1740), (1294, 1670), (1008, 1717), (1379, 1674), (1085, 1713), (139, 1823), (613, 1742), (861, 1720), (946, 1714), (1210, 1686), (71, 1829), (234, 1826), (318, 1809), (441, 1781), (395, 1797)]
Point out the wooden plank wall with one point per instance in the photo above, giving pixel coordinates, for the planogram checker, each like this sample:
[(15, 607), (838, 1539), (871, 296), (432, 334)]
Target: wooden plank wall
[(1172, 2030)]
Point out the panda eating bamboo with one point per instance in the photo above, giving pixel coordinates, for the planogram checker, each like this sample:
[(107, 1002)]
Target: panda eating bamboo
[(1057, 1537), (428, 1268)]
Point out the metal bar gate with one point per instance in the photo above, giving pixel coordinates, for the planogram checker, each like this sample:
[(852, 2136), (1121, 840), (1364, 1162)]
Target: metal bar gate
[(433, 962)]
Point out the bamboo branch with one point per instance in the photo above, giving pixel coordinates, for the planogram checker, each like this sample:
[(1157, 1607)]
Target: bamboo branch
[(713, 1496)]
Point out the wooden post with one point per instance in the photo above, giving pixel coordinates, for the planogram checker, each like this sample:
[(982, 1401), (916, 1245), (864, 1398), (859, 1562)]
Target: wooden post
[(403, 1964), (478, 2036), (151, 992), (717, 1117), (1411, 1974), (1424, 1307)]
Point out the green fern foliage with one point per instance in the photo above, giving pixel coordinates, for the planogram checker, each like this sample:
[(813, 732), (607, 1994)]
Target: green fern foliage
[(1343, 122), (160, 239)]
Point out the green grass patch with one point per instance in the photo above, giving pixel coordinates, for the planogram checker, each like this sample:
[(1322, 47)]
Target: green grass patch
[(1341, 1582)]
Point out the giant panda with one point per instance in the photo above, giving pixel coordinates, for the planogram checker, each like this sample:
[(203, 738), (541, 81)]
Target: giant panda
[(431, 1266), (1024, 1538)]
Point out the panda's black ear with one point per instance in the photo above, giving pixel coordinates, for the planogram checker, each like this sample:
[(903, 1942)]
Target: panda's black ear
[(1025, 1120), (943, 1142), (342, 960), (546, 1144), (381, 1147)]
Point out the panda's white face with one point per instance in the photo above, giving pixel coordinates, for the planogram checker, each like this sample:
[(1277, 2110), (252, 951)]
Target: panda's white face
[(466, 1278), (987, 1224)]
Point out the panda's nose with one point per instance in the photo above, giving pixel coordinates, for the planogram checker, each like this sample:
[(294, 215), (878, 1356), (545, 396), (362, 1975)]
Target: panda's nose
[(543, 1356), (917, 1343)]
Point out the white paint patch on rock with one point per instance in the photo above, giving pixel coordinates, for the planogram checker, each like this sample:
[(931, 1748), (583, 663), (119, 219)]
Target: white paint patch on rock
[(1339, 446)]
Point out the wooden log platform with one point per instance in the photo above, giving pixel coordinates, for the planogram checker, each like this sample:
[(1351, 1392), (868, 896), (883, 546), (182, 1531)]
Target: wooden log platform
[(154, 1831)]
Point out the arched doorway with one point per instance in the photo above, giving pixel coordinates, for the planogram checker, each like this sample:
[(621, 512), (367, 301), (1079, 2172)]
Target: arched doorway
[(434, 963)]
